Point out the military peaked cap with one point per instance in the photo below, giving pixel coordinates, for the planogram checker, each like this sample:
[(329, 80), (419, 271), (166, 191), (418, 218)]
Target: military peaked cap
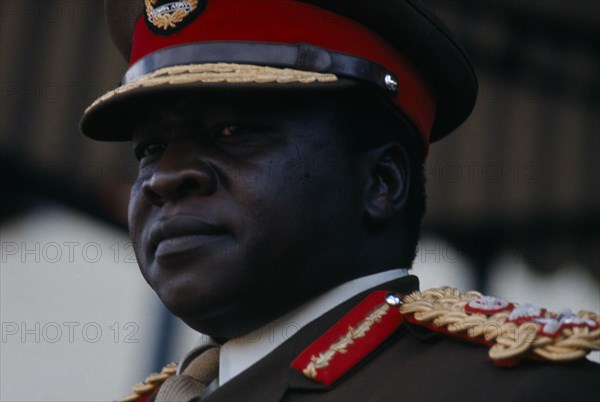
[(394, 49)]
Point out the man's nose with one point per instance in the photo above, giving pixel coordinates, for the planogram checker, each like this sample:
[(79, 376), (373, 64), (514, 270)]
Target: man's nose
[(177, 177)]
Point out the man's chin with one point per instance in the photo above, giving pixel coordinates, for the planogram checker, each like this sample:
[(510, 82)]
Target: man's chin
[(221, 320), (184, 306), (220, 323)]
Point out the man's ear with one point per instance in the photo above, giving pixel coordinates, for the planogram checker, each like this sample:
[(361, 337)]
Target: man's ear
[(387, 182)]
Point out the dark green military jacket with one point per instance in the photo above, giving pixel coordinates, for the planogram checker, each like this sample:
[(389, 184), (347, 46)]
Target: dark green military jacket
[(413, 364)]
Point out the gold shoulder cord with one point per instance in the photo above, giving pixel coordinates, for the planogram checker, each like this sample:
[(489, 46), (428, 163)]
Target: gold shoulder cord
[(151, 383), (514, 331)]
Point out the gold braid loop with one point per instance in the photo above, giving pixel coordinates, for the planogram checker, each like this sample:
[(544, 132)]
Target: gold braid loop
[(514, 331), (151, 383)]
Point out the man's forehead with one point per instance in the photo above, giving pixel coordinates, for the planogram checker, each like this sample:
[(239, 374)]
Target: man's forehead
[(276, 105)]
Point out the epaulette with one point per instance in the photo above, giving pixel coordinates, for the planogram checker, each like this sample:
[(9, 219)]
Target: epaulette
[(513, 331), (142, 391)]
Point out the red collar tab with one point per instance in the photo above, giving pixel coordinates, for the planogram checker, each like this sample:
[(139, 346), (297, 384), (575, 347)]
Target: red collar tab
[(513, 331), (282, 22), (351, 339)]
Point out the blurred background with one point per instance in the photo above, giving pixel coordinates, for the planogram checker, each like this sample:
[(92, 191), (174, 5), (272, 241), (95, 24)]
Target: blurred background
[(513, 206)]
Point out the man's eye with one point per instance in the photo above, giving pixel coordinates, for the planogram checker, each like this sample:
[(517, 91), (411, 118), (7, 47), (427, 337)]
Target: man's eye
[(230, 131), (145, 150)]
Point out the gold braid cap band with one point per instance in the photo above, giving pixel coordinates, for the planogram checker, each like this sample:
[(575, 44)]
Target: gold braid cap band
[(513, 331), (217, 73)]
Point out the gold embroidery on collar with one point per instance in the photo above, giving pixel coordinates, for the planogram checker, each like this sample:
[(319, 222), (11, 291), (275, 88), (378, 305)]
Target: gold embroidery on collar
[(341, 346)]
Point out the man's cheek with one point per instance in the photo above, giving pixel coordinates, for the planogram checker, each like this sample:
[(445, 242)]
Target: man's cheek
[(136, 223), (134, 198)]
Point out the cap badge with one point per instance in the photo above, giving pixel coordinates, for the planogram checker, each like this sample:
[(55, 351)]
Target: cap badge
[(165, 17)]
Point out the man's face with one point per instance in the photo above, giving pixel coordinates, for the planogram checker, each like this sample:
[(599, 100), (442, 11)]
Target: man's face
[(244, 207)]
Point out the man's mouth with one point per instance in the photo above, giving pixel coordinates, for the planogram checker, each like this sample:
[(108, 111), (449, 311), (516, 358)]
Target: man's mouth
[(182, 234)]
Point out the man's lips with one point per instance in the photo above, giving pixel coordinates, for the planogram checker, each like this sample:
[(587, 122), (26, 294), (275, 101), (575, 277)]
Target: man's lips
[(180, 234)]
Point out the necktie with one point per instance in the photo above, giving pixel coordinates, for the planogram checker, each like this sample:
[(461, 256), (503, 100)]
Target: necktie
[(194, 379)]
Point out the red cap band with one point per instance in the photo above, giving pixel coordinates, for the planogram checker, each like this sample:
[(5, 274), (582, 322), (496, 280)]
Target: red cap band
[(291, 22)]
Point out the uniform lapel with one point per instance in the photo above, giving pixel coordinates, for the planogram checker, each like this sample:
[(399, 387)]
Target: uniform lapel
[(270, 378)]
